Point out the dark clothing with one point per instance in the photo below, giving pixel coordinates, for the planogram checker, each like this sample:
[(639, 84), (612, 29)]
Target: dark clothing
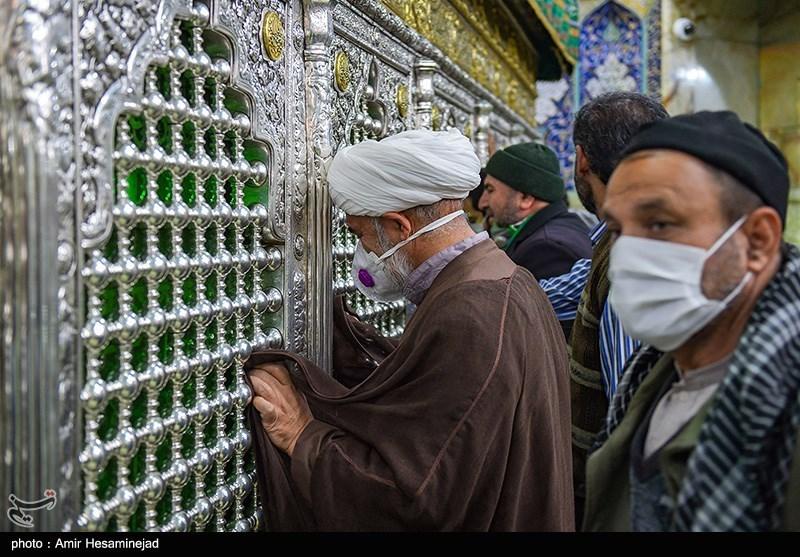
[(588, 401), (443, 434), (551, 242)]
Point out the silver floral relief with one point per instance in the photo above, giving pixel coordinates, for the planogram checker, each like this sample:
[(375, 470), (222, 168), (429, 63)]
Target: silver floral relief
[(38, 326), (265, 80), (107, 35)]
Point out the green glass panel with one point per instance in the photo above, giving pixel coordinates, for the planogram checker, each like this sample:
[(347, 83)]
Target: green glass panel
[(136, 467), (249, 237), (164, 454), (111, 249), (112, 525), (109, 301), (189, 139), (230, 285), (230, 238), (109, 421), (211, 334), (166, 347), (230, 423), (211, 480), (249, 282), (189, 494), (190, 342), (210, 191), (211, 287), (230, 377), (254, 152), (139, 297), (230, 190), (137, 186), (165, 400), (210, 93), (248, 328), (229, 145), (210, 433), (189, 394), (165, 294), (107, 480), (137, 522), (164, 190), (189, 240), (210, 143), (139, 410), (165, 240), (164, 509), (211, 240), (230, 471), (187, 87), (190, 291), (249, 461), (164, 130), (189, 190), (235, 103), (139, 242), (163, 81), (187, 443), (210, 385), (138, 131), (139, 354), (186, 36), (254, 195), (109, 361)]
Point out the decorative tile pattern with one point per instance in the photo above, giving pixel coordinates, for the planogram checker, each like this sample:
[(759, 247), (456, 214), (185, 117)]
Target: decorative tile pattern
[(610, 52), (654, 51), (612, 57)]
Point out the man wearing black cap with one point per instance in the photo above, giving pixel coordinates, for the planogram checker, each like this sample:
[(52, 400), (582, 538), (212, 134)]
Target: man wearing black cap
[(703, 431), (524, 191)]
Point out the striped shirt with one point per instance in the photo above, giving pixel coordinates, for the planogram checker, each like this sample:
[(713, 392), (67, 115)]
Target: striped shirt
[(565, 292)]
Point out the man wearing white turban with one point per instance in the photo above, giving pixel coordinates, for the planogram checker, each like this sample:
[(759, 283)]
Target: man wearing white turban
[(464, 425)]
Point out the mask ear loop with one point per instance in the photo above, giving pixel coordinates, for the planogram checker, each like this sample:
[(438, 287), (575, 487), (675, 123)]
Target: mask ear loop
[(713, 249), (726, 236), (427, 228)]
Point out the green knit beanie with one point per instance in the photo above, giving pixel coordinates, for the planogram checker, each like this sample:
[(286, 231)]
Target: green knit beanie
[(531, 168)]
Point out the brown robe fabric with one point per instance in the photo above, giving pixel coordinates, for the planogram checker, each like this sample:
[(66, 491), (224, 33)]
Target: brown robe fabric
[(464, 426)]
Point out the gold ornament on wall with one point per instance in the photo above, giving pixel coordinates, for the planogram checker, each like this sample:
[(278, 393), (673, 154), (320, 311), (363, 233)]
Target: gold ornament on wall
[(341, 71), (436, 118), (401, 99), (273, 35)]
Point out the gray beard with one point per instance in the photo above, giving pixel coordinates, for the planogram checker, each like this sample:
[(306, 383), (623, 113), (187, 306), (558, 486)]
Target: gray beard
[(398, 265)]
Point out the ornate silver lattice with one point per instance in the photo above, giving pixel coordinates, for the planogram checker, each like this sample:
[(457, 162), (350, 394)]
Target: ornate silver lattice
[(176, 299)]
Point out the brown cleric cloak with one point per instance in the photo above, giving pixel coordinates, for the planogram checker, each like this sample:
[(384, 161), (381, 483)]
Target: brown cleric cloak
[(464, 426)]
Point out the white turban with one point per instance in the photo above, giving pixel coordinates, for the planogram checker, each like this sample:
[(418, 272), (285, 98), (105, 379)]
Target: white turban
[(415, 167)]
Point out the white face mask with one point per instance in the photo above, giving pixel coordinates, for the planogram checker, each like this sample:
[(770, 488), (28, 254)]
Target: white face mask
[(656, 289), (369, 271)]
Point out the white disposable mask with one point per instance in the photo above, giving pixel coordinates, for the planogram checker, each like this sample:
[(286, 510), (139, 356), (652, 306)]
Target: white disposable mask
[(369, 270), (656, 289)]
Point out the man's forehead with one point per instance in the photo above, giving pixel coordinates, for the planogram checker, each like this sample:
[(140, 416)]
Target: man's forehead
[(661, 179)]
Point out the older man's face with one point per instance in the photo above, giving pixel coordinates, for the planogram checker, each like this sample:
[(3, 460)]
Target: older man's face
[(364, 230), (500, 200), (671, 196)]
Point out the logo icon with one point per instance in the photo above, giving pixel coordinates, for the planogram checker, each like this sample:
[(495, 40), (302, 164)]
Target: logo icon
[(18, 510)]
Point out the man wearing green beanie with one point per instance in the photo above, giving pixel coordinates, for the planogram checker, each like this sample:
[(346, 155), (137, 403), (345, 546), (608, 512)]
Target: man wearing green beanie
[(524, 191)]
